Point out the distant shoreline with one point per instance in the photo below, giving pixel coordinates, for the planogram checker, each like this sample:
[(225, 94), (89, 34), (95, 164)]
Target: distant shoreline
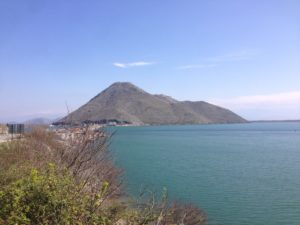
[(250, 121), (272, 121)]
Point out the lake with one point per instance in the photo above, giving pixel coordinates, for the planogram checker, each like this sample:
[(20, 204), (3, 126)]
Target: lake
[(239, 174)]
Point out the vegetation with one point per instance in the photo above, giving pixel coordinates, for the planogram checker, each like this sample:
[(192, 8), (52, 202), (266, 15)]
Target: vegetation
[(44, 180)]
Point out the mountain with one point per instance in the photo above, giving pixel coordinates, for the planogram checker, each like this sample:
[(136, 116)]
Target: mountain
[(38, 121), (123, 102)]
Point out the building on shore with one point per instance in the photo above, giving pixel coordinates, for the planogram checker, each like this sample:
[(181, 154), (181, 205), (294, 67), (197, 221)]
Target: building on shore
[(16, 128)]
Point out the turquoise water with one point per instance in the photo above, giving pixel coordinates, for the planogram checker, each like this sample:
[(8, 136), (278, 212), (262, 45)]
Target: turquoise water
[(240, 174)]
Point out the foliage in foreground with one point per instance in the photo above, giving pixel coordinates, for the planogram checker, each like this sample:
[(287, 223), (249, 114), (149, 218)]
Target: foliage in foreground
[(44, 180), (50, 197)]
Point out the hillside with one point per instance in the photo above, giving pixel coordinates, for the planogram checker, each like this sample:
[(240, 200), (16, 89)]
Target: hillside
[(124, 102)]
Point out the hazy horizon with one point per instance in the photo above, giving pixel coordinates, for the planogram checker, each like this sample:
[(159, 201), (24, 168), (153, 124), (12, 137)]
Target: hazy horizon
[(241, 55)]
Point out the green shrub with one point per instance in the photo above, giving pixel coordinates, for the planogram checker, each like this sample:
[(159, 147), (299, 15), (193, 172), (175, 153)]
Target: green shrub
[(49, 197)]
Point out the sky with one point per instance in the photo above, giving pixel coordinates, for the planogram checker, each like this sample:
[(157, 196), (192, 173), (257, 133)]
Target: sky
[(240, 54)]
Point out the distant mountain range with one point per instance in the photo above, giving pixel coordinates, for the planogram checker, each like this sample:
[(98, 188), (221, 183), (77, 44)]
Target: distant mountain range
[(38, 121), (41, 121), (123, 102)]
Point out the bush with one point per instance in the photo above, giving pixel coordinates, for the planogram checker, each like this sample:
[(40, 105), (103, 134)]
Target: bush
[(49, 197), (87, 159), (47, 180), (150, 210)]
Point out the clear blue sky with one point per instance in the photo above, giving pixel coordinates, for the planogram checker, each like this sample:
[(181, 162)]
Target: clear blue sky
[(242, 54)]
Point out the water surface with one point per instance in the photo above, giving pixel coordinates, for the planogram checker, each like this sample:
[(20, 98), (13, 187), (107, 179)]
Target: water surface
[(240, 174)]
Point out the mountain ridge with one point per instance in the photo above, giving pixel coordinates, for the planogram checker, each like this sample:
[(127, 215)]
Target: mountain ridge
[(126, 103)]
